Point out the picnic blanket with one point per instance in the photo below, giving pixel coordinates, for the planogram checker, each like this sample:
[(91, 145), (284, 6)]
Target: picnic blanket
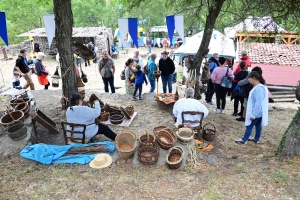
[(126, 122), (48, 154)]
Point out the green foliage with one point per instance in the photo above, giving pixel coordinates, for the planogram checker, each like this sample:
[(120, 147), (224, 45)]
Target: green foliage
[(279, 177)]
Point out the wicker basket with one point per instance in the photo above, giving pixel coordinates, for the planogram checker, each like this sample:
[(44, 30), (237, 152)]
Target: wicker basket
[(107, 108), (148, 155), (93, 98), (174, 157), (24, 108), (129, 110), (15, 102), (157, 74), (126, 144), (209, 134), (12, 117), (147, 139), (165, 138), (185, 135), (104, 116), (17, 130)]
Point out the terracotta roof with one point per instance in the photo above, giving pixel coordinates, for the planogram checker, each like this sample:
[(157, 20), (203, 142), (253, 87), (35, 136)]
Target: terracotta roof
[(270, 54), (77, 32)]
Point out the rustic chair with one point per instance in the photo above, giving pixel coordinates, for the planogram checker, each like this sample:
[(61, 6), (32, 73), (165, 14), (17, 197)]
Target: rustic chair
[(197, 129), (115, 55), (68, 133), (125, 52)]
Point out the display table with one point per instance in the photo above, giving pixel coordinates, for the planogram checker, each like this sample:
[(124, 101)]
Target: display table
[(166, 101)]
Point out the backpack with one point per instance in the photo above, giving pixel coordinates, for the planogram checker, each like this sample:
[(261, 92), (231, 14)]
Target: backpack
[(146, 71), (122, 75)]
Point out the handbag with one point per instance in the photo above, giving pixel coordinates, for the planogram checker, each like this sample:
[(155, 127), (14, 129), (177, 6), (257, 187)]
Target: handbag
[(226, 81)]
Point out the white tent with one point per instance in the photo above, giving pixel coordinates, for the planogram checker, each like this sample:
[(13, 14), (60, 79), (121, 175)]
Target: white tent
[(254, 24), (219, 43)]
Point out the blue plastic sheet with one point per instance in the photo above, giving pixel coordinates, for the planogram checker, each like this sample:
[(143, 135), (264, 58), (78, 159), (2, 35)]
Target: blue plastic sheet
[(48, 154)]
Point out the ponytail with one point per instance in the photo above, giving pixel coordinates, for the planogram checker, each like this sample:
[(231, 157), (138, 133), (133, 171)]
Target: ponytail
[(130, 60)]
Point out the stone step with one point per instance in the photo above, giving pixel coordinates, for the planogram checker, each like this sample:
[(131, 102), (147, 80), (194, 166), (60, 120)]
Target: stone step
[(280, 96), (285, 100), (5, 88)]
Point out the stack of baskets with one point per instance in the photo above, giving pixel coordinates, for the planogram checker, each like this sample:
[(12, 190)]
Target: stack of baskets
[(165, 137), (21, 105), (174, 157), (185, 135), (148, 150), (126, 144), (116, 117)]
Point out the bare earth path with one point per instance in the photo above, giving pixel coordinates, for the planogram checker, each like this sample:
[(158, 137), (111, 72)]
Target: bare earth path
[(243, 172)]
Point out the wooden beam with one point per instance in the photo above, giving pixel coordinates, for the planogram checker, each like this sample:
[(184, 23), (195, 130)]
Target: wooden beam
[(289, 40), (294, 40), (284, 40), (245, 38)]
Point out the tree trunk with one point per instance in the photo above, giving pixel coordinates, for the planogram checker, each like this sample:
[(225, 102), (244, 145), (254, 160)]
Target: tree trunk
[(63, 37), (290, 141), (213, 13)]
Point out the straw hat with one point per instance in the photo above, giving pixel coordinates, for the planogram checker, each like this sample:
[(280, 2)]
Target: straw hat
[(101, 161)]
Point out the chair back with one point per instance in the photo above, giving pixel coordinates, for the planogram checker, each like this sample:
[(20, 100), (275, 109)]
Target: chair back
[(184, 121), (69, 131)]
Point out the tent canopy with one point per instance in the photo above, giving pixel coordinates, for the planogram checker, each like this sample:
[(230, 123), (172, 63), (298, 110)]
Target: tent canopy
[(219, 43), (259, 24)]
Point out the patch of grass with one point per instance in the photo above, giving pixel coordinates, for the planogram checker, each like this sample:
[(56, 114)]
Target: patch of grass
[(212, 195), (279, 177), (239, 167), (244, 176), (186, 169), (29, 169)]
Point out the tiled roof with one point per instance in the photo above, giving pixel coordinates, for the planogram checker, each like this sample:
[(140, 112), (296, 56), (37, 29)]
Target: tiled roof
[(269, 53)]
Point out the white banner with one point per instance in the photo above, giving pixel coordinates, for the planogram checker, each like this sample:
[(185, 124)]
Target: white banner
[(50, 27), (179, 25), (123, 28)]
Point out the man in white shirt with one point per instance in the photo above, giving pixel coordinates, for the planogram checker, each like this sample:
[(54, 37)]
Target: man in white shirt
[(189, 104), (137, 59)]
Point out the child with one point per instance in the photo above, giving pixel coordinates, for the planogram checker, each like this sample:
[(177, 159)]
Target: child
[(16, 80), (139, 80)]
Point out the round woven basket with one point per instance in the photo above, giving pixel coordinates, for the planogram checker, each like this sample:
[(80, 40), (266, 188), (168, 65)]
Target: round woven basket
[(126, 144), (24, 108), (174, 157), (147, 139), (129, 110), (17, 116), (15, 102), (209, 134), (165, 138), (17, 130), (185, 135), (148, 155), (157, 74)]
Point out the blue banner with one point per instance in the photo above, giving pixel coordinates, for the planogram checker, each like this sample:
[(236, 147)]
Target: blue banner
[(133, 30), (171, 26), (3, 29)]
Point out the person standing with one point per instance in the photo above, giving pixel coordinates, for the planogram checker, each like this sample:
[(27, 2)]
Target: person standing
[(214, 63), (246, 59), (149, 45), (24, 70), (165, 43), (137, 58), (129, 76), (257, 109), (167, 68), (152, 68), (41, 72), (216, 78), (140, 78), (106, 68)]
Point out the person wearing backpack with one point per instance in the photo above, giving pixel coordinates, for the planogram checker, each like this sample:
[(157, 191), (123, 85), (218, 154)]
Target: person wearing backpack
[(140, 78), (129, 76), (217, 76), (213, 64)]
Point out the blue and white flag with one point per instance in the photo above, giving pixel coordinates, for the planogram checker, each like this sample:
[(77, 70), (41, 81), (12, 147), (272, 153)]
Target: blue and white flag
[(3, 29), (175, 22), (129, 25)]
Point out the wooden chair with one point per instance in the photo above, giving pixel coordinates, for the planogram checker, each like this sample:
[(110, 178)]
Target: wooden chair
[(197, 129), (125, 52), (115, 55), (68, 133)]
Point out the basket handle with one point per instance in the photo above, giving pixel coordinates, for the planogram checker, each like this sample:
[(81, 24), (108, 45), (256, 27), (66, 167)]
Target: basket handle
[(16, 103), (178, 148), (209, 124), (10, 114)]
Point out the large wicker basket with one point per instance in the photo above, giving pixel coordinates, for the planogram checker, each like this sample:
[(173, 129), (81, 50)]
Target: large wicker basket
[(147, 139), (17, 130), (16, 101), (174, 157), (148, 155), (126, 144), (165, 137), (185, 135), (12, 117), (24, 108), (209, 134)]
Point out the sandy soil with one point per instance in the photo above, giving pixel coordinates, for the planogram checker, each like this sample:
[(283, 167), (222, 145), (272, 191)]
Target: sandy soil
[(243, 172)]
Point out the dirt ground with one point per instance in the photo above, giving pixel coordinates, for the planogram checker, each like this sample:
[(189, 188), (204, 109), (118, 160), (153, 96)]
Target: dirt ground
[(249, 171)]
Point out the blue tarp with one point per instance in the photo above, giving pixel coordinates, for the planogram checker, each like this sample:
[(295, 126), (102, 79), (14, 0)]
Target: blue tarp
[(48, 154)]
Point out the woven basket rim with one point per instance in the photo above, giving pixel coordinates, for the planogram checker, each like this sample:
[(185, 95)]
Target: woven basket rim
[(181, 157), (123, 133)]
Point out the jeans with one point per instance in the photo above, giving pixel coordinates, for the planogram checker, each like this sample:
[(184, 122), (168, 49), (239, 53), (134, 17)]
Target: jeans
[(257, 123), (210, 91), (102, 129), (167, 80), (238, 99), (220, 96), (174, 76), (149, 49), (138, 87), (78, 62), (152, 85), (109, 80)]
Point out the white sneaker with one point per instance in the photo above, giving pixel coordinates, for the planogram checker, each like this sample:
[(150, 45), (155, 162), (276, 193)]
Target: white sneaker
[(223, 111), (218, 111)]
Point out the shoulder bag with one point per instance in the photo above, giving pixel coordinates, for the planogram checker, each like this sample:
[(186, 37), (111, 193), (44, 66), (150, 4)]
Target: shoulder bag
[(226, 81)]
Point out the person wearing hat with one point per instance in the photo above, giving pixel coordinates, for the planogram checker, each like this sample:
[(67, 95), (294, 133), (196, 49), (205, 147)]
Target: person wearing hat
[(167, 68), (41, 71), (24, 70), (101, 161), (79, 114)]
